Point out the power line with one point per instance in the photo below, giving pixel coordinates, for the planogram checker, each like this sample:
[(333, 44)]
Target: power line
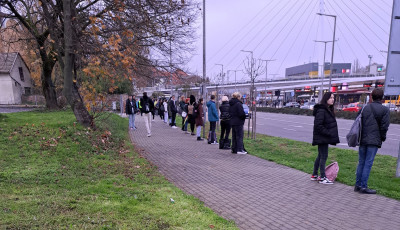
[(311, 12), (316, 36), (306, 40), (387, 4), (277, 12), (369, 18), (285, 15), (239, 31), (378, 14), (338, 44), (345, 39), (359, 28)]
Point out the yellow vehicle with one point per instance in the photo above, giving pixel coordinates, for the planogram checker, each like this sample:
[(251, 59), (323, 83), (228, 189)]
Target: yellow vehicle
[(394, 100)]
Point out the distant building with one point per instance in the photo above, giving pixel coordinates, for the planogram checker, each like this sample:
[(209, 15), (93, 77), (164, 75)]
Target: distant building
[(311, 70), (376, 69), (15, 79)]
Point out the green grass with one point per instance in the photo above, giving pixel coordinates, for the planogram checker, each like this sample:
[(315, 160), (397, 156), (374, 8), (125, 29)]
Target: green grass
[(301, 156), (56, 174)]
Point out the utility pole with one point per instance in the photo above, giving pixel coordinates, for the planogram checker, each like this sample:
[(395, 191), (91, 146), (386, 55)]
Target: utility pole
[(235, 76), (369, 65), (266, 75), (333, 48), (204, 62), (323, 72)]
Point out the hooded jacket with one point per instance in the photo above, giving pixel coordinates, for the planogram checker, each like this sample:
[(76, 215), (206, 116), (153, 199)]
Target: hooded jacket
[(236, 111), (374, 126), (212, 111), (325, 126)]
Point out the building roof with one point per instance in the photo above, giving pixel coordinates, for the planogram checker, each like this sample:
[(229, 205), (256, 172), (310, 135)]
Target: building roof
[(7, 61)]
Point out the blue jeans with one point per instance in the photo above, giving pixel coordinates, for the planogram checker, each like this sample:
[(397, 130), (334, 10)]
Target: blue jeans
[(132, 121), (366, 156)]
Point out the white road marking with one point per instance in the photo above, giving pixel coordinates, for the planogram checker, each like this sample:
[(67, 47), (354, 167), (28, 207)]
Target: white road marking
[(289, 129)]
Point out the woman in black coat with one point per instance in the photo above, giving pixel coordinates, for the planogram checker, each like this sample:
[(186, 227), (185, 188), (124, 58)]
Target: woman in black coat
[(325, 133), (224, 142), (238, 117)]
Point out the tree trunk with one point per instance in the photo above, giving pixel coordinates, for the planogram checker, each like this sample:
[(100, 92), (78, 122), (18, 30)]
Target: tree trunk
[(71, 91), (49, 92)]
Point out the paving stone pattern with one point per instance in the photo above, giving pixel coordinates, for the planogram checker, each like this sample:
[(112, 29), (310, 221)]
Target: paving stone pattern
[(256, 193)]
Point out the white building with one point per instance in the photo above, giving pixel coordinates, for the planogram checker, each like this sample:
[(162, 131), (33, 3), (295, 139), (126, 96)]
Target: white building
[(15, 78)]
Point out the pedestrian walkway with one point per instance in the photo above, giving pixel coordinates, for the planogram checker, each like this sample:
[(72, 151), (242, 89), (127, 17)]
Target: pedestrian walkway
[(256, 193)]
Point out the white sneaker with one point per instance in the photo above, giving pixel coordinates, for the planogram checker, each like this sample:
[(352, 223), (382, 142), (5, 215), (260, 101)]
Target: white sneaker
[(149, 135), (174, 127), (242, 152), (214, 143), (325, 181)]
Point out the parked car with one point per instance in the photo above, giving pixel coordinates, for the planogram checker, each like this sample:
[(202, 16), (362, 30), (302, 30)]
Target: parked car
[(247, 111), (392, 107), (308, 105), (353, 107), (292, 105)]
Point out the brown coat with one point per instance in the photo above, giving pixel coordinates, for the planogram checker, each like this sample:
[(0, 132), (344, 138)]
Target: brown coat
[(200, 116)]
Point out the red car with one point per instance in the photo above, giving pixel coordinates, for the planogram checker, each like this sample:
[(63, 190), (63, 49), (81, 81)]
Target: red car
[(353, 107)]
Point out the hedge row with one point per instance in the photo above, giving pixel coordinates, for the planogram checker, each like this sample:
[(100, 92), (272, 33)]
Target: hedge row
[(394, 116)]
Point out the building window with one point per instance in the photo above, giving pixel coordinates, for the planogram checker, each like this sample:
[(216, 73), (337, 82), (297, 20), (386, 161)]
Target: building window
[(27, 90), (21, 74)]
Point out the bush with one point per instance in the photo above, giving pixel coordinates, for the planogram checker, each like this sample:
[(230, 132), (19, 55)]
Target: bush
[(394, 116)]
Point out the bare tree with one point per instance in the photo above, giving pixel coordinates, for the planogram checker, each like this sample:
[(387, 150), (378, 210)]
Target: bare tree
[(253, 68)]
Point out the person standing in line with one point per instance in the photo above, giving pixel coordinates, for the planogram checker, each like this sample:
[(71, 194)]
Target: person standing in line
[(191, 114), (238, 116), (375, 124), (147, 107), (172, 108), (212, 118), (165, 104), (185, 117), (160, 107), (130, 110), (198, 111), (224, 142), (325, 132), (182, 104)]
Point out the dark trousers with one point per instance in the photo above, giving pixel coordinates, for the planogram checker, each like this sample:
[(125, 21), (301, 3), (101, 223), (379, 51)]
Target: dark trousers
[(225, 130), (173, 119), (237, 138), (321, 160), (161, 114), (213, 125), (192, 121)]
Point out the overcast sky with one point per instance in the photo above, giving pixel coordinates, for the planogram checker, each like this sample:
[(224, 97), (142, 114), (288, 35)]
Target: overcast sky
[(285, 30)]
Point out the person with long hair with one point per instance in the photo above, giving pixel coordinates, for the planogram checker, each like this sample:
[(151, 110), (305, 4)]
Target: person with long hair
[(199, 119), (191, 116), (325, 133)]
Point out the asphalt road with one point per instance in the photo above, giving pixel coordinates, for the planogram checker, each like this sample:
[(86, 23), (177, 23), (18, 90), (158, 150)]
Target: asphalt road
[(14, 109), (300, 128)]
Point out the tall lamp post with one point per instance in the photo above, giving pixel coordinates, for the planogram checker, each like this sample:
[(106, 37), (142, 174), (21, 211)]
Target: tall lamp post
[(323, 72), (266, 75), (333, 47), (204, 61), (235, 76), (222, 77)]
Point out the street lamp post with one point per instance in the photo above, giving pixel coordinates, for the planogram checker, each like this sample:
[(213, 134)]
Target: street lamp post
[(323, 71), (333, 47), (266, 75), (235, 76)]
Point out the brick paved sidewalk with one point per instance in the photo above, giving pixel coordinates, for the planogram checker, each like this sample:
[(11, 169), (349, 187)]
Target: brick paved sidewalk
[(259, 194)]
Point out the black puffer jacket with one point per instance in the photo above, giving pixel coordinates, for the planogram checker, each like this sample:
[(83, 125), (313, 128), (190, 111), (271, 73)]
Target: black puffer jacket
[(224, 109), (325, 126), (237, 112), (374, 128)]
